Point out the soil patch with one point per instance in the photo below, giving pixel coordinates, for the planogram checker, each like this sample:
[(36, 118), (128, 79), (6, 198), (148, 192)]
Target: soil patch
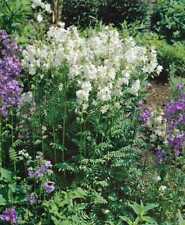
[(158, 94)]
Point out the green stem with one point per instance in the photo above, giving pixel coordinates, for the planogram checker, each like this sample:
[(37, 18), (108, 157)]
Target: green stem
[(54, 141), (63, 133), (82, 150), (81, 131), (1, 154), (64, 117), (12, 137)]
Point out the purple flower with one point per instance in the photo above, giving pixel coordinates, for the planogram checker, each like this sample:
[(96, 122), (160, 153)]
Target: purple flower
[(40, 171), (175, 117), (9, 215), (160, 155), (32, 198), (177, 143), (49, 187), (10, 69), (180, 86), (3, 35), (145, 115)]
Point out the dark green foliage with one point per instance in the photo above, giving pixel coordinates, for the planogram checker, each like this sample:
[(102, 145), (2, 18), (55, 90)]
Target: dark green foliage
[(83, 12), (88, 12), (169, 20), (118, 11)]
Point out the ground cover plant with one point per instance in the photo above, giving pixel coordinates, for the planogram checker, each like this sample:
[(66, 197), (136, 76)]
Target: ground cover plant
[(78, 142)]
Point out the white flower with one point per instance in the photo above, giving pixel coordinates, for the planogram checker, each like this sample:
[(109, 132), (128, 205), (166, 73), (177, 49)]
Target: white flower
[(159, 69), (86, 86), (104, 94), (36, 3), (83, 93), (135, 87), (90, 71), (104, 109), (26, 98), (39, 18), (82, 96), (158, 178), (126, 78), (48, 8), (60, 87), (162, 188), (100, 64), (158, 120)]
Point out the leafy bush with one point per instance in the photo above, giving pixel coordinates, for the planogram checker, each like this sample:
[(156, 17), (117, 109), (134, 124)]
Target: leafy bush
[(81, 12), (130, 11), (85, 13), (168, 19)]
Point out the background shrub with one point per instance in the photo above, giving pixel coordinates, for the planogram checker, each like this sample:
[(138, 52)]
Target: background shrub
[(83, 12), (127, 10), (87, 12), (168, 19)]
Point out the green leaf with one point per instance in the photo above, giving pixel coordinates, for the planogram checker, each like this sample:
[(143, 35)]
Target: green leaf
[(127, 220), (6, 175), (149, 220), (180, 219), (2, 201)]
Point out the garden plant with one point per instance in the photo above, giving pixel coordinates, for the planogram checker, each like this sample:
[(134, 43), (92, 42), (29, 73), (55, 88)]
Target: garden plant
[(79, 143)]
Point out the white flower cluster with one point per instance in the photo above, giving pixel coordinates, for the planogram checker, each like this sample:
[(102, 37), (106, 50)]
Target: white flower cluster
[(157, 125), (100, 64), (41, 6)]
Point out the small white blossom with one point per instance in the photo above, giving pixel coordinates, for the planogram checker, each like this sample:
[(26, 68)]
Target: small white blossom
[(162, 188), (39, 18), (159, 69), (135, 87), (60, 87), (36, 3), (48, 7)]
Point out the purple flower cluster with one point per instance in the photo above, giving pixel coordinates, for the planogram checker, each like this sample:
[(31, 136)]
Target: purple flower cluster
[(145, 114), (40, 171), (160, 155), (10, 69), (9, 215), (49, 187), (175, 116), (180, 86)]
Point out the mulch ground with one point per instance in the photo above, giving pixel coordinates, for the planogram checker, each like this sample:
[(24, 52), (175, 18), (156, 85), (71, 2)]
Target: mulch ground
[(158, 94)]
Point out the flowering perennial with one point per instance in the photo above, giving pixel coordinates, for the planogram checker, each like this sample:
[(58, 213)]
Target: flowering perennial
[(175, 116), (100, 64), (49, 187), (9, 215), (145, 114), (42, 7), (10, 69), (40, 171)]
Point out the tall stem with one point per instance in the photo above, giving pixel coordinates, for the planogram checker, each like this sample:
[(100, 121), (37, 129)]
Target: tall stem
[(1, 154), (54, 141), (12, 138), (64, 122)]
